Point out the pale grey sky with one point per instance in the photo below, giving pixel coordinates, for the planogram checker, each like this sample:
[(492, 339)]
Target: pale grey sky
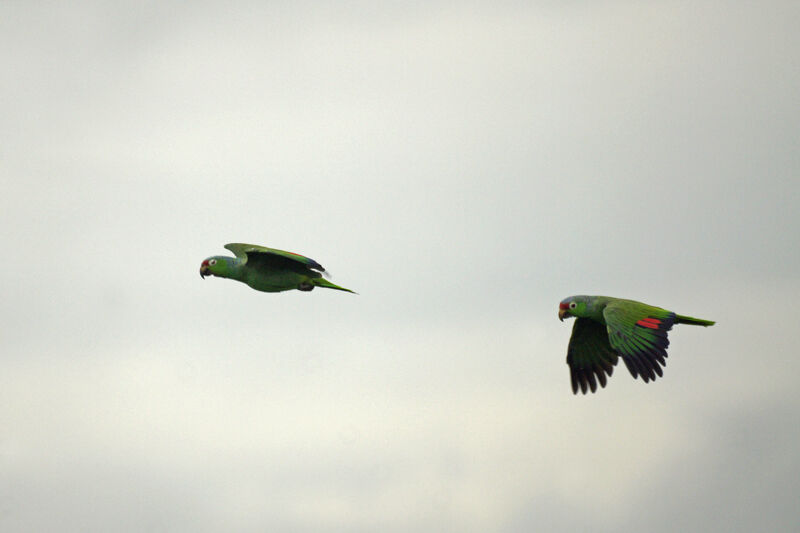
[(464, 168)]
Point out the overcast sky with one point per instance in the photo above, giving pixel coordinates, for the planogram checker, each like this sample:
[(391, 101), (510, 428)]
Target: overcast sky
[(464, 168)]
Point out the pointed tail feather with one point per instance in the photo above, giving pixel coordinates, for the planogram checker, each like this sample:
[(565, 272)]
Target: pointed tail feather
[(322, 282), (680, 319)]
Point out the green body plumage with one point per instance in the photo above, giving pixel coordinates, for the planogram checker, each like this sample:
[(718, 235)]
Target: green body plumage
[(268, 269), (607, 328)]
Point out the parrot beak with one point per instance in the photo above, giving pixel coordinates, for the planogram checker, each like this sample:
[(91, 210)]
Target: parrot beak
[(204, 270), (563, 312)]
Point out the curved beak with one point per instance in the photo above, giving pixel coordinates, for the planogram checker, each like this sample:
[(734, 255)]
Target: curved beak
[(204, 271), (562, 313)]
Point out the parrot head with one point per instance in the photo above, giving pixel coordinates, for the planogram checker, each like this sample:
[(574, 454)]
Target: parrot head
[(214, 266), (574, 306)]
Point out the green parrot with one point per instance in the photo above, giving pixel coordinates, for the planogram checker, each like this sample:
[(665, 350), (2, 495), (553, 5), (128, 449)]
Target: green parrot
[(267, 269), (609, 327)]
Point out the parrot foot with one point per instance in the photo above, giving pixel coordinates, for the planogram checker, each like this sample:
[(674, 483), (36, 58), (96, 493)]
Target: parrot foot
[(305, 286)]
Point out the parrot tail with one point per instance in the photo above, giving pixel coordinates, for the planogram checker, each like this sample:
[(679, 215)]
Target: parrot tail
[(322, 282), (680, 319)]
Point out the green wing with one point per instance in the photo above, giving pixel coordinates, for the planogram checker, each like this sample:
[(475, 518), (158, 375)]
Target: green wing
[(638, 332), (271, 255), (589, 355)]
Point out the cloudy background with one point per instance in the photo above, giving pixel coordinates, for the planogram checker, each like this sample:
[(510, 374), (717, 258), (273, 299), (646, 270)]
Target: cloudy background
[(463, 167)]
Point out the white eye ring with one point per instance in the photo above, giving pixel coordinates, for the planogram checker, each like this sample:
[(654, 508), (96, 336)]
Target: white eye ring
[(573, 305), (212, 262)]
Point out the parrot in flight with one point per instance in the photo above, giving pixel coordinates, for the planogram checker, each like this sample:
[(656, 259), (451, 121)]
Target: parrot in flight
[(267, 269), (606, 328)]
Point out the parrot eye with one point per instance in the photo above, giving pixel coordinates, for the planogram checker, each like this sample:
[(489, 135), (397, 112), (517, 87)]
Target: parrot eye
[(212, 262), (573, 305)]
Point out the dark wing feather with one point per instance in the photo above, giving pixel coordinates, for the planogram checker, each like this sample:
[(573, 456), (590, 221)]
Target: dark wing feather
[(266, 262), (589, 355), (262, 257), (638, 332)]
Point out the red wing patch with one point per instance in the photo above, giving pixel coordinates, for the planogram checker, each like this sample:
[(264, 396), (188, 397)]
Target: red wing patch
[(649, 322)]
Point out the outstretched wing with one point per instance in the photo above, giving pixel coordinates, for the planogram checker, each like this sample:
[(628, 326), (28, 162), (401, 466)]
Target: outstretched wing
[(589, 355), (271, 257), (638, 332)]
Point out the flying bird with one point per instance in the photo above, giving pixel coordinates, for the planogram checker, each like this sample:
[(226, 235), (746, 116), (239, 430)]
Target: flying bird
[(267, 269), (606, 328)]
